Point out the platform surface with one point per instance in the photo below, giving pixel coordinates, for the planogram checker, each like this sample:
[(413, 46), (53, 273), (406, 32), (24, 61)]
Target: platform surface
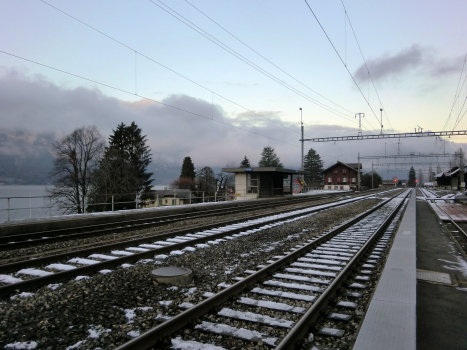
[(390, 322)]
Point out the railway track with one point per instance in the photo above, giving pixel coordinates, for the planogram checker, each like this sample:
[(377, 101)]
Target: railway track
[(32, 239), (33, 273), (276, 305)]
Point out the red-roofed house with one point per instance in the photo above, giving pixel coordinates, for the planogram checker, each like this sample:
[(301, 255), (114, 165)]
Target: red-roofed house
[(341, 176)]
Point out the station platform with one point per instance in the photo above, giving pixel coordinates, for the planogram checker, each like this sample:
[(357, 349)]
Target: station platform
[(458, 212), (421, 299), (390, 321)]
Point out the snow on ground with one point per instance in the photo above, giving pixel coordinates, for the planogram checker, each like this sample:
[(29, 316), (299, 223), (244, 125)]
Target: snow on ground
[(22, 345), (130, 314), (60, 267), (96, 331), (22, 295), (460, 265), (178, 343), (33, 272), (9, 279)]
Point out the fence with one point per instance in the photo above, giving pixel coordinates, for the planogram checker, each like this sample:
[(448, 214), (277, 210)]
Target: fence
[(17, 208)]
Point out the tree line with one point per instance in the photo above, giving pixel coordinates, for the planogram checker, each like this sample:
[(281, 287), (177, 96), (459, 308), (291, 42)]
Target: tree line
[(90, 174)]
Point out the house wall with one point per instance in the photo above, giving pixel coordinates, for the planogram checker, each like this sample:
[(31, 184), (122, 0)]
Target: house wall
[(337, 178), (241, 188)]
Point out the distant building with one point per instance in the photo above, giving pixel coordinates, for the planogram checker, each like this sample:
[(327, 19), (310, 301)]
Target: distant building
[(341, 176), (173, 197), (261, 182)]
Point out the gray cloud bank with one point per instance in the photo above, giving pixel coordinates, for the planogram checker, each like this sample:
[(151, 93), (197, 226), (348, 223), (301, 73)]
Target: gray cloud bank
[(413, 59), (34, 112)]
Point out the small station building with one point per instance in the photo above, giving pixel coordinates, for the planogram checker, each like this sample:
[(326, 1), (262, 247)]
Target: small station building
[(251, 183)]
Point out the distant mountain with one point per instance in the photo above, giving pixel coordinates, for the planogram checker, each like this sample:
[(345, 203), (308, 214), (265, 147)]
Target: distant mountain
[(25, 158)]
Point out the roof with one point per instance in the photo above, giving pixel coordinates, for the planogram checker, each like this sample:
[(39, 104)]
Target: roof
[(262, 170), (352, 166), (180, 193)]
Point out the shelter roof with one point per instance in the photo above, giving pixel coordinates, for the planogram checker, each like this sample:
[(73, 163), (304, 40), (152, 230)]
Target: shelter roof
[(263, 170)]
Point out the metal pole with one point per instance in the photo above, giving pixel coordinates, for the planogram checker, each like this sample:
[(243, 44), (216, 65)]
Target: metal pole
[(358, 172), (301, 123), (381, 120), (30, 210), (50, 207), (113, 203), (461, 169), (8, 208), (203, 196), (372, 172), (215, 196), (136, 200)]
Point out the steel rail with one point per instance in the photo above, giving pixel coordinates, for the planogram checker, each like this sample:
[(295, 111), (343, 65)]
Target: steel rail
[(153, 336), (5, 268), (303, 325), (66, 275), (30, 239), (450, 218)]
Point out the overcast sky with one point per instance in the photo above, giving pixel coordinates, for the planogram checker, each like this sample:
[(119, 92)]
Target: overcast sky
[(216, 107)]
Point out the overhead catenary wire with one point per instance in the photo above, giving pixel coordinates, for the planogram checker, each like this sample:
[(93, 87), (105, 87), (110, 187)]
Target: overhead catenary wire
[(456, 94), (265, 58), (145, 98), (366, 66), (164, 66), (200, 31), (342, 61)]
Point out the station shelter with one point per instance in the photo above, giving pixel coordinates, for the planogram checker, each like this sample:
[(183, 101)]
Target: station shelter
[(262, 182)]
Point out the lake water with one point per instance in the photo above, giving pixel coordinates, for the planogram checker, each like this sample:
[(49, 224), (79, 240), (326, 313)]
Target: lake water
[(34, 204)]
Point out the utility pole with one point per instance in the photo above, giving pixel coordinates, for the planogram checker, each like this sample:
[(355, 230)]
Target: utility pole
[(381, 120), (358, 172), (360, 123), (372, 172), (461, 170), (301, 122)]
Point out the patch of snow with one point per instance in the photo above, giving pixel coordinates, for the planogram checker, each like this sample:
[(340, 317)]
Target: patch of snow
[(131, 313), (96, 332), (186, 305), (9, 279), (76, 346), (126, 266), (190, 249), (79, 278), (33, 272), (133, 334), (102, 257), (165, 302), (54, 286), (287, 295), (177, 252), (120, 252), (161, 256), (61, 267), (150, 246), (104, 272), (178, 343), (145, 261), (191, 291), (82, 261), (21, 345), (172, 288), (202, 245), (271, 305), (252, 317), (460, 265), (137, 249), (22, 295)]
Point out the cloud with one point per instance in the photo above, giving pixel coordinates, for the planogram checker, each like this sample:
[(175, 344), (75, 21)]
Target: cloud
[(191, 127), (413, 59)]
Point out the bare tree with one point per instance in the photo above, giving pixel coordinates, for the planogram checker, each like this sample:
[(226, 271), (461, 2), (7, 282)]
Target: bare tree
[(76, 158)]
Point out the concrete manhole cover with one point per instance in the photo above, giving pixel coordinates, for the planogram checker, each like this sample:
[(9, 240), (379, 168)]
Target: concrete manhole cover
[(436, 277), (178, 276)]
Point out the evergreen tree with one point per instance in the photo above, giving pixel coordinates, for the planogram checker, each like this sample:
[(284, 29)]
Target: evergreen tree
[(122, 171), (365, 180), (412, 178), (313, 165), (245, 163), (188, 169), (269, 158)]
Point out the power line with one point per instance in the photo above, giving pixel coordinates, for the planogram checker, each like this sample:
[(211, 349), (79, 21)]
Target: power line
[(164, 66), (456, 95), (266, 59), (146, 98), (330, 41), (200, 31), (367, 69)]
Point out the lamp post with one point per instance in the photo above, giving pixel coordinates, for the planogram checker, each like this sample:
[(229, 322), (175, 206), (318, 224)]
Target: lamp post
[(301, 123)]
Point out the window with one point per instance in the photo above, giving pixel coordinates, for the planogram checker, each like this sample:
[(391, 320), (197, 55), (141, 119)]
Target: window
[(166, 201), (160, 201), (329, 179), (336, 171), (344, 171), (344, 180), (338, 179), (354, 179), (252, 182), (173, 201)]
